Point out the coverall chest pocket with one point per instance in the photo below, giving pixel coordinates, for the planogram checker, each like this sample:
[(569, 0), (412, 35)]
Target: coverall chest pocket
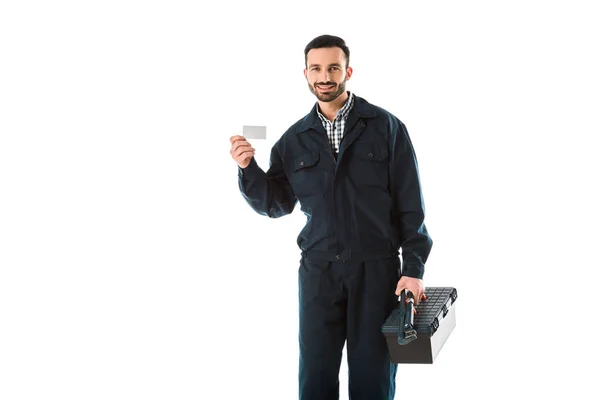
[(306, 177), (369, 164)]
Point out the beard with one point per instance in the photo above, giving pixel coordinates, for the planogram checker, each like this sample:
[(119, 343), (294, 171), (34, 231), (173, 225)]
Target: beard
[(335, 92)]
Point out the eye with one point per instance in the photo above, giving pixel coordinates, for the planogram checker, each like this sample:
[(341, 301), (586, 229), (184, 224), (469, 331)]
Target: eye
[(334, 68)]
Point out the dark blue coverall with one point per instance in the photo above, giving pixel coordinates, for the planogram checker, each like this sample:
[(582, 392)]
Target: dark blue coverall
[(362, 208)]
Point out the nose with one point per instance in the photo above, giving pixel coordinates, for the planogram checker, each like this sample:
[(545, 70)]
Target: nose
[(325, 76)]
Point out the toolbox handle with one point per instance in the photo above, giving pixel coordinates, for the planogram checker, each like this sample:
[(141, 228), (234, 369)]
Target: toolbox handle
[(406, 306)]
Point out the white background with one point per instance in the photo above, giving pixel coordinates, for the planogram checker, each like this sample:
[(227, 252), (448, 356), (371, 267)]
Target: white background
[(131, 267)]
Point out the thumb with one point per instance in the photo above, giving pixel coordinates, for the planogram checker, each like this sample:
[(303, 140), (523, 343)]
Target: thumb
[(399, 288), (235, 138)]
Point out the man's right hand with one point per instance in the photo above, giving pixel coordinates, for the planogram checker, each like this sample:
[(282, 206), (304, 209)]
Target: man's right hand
[(241, 151)]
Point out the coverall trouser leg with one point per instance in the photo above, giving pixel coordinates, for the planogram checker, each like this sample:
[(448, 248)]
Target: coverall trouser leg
[(339, 302)]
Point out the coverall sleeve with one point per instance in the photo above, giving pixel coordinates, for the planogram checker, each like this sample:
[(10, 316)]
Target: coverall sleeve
[(268, 193), (409, 207)]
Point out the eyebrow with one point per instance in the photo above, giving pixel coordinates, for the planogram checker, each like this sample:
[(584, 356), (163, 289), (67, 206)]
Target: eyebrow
[(330, 65)]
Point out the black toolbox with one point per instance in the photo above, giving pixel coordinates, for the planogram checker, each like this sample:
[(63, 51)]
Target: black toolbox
[(434, 321)]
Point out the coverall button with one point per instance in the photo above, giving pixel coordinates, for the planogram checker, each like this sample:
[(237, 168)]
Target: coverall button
[(370, 154), (337, 257), (301, 163)]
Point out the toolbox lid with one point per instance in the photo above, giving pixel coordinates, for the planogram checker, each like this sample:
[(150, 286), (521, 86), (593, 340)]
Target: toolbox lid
[(429, 312)]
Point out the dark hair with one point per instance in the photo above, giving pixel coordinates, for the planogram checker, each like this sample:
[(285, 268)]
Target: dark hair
[(327, 41)]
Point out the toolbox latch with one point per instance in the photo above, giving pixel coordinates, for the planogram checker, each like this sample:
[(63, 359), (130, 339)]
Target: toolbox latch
[(435, 325), (453, 295)]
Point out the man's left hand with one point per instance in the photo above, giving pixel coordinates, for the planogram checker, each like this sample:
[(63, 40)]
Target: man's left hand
[(415, 285)]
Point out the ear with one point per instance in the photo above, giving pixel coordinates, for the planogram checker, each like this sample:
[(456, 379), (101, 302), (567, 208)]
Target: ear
[(348, 72), (305, 72)]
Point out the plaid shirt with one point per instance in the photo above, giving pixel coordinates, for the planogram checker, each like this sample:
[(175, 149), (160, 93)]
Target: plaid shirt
[(335, 129)]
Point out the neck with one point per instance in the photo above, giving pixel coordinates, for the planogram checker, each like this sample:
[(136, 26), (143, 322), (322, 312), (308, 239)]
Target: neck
[(329, 109)]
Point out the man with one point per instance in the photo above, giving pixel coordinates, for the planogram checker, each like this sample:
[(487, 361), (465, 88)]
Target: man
[(352, 168)]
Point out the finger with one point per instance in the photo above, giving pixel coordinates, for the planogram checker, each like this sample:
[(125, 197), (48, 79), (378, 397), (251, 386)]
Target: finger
[(242, 149), (235, 138), (416, 301), (245, 156), (239, 143), (415, 296)]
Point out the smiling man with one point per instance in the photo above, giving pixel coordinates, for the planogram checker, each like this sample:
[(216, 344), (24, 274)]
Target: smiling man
[(328, 81), (352, 167)]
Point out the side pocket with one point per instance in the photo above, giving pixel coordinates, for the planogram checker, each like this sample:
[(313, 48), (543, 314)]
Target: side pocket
[(309, 278)]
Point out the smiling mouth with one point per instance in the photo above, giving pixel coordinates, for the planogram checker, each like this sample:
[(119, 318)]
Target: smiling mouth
[(325, 87)]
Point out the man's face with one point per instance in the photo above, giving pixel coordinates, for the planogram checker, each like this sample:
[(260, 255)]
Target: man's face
[(326, 73)]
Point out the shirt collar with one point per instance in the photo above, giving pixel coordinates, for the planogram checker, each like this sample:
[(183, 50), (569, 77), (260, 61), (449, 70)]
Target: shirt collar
[(343, 112)]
